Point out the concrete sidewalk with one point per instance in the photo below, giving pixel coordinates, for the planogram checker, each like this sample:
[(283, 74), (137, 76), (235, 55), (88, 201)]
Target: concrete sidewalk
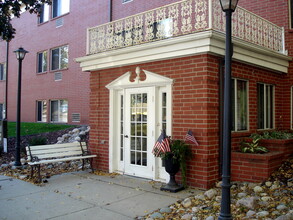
[(81, 195)]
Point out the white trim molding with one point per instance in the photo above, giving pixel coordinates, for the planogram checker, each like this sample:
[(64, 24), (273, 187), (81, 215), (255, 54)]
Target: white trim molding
[(188, 45)]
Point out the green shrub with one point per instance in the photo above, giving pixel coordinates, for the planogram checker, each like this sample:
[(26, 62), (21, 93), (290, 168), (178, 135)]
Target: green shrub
[(273, 135), (252, 147), (37, 141)]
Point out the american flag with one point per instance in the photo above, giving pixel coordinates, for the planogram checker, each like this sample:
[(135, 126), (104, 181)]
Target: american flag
[(189, 137), (162, 144)]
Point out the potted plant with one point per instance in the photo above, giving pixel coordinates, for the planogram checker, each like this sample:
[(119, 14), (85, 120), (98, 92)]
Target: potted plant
[(175, 154)]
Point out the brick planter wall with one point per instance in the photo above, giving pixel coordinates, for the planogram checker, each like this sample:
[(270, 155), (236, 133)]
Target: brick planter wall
[(254, 167), (258, 167)]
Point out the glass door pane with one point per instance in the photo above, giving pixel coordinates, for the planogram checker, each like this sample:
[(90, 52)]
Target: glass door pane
[(138, 125)]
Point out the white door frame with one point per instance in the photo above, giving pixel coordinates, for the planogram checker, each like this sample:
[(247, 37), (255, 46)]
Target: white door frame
[(117, 89)]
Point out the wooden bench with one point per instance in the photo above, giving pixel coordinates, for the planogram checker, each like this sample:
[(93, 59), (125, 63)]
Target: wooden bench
[(44, 154)]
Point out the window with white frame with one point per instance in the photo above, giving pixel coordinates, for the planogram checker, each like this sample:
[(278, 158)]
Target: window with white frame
[(42, 111), (44, 13), (2, 71), (239, 105), (59, 111), (60, 7), (59, 58), (121, 128), (42, 62), (265, 106)]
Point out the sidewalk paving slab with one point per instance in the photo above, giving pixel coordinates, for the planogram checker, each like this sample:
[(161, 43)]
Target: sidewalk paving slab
[(82, 195)]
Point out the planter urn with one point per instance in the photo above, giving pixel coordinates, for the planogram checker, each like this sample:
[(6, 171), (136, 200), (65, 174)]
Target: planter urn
[(171, 167)]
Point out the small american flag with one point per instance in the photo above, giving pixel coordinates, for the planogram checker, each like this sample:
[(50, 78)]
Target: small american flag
[(189, 137), (162, 144)]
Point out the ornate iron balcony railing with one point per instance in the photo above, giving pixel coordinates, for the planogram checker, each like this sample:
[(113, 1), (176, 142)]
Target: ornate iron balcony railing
[(181, 18)]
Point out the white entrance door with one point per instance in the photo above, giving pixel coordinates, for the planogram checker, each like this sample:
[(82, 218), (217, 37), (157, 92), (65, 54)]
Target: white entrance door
[(139, 132)]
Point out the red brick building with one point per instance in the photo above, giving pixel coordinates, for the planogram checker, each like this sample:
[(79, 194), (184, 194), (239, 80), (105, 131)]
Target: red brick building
[(54, 89), (157, 67), (162, 69)]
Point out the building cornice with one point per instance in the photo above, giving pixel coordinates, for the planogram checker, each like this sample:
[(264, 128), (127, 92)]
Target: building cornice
[(188, 45)]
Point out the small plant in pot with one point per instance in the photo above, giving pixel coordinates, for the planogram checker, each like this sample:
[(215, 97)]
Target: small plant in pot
[(175, 154)]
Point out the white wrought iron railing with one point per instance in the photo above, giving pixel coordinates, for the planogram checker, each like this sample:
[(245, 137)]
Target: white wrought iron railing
[(181, 18)]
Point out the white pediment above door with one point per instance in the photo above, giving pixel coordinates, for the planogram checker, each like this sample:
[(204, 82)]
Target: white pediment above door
[(139, 78)]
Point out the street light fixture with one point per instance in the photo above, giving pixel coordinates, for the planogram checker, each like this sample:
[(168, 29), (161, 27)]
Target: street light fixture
[(228, 6), (20, 54)]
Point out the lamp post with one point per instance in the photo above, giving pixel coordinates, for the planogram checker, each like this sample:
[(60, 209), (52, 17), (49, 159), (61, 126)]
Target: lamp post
[(20, 54), (228, 6)]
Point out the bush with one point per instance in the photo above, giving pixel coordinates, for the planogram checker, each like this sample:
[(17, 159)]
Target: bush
[(273, 135), (252, 147), (37, 141)]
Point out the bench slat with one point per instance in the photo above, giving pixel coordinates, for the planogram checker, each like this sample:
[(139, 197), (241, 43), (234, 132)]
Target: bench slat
[(48, 151), (54, 146), (58, 155), (61, 159)]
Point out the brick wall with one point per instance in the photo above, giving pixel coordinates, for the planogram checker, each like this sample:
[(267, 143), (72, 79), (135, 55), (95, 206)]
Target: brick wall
[(254, 167), (277, 11), (35, 38), (195, 106)]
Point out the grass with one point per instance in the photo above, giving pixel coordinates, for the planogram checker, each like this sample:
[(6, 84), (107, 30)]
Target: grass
[(28, 128)]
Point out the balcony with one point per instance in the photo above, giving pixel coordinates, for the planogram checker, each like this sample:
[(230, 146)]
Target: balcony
[(195, 21), (182, 18)]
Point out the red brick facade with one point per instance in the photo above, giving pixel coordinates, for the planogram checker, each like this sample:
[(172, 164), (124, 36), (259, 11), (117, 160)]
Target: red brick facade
[(195, 106), (195, 92), (34, 37)]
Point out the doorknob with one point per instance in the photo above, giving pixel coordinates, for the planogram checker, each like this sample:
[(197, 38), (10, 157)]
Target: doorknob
[(126, 136)]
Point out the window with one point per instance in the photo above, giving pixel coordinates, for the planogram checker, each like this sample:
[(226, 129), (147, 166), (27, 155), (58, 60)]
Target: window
[(2, 71), (59, 110), (164, 111), (125, 1), (291, 13), (265, 106), (59, 58), (42, 62), (121, 128), (60, 7), (239, 105), (44, 14), (292, 107), (42, 111), (1, 111)]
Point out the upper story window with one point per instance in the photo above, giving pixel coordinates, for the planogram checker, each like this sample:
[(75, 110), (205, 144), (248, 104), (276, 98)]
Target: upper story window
[(59, 58), (42, 62), (2, 71), (239, 105), (265, 106), (44, 15), (60, 7)]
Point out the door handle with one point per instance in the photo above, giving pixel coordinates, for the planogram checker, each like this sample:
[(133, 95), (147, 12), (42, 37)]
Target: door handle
[(126, 136)]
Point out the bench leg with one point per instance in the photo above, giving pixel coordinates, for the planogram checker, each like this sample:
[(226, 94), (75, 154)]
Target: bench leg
[(83, 164), (39, 173), (32, 171), (91, 164)]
